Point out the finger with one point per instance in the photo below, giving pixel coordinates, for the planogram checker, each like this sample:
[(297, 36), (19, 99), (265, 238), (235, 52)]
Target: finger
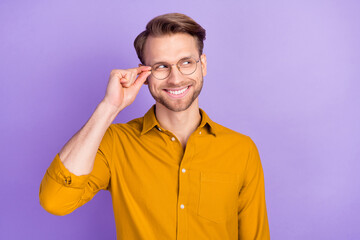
[(141, 69), (141, 79), (137, 70), (127, 78), (133, 73), (124, 81)]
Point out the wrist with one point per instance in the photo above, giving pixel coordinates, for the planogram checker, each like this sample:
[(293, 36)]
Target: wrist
[(108, 110)]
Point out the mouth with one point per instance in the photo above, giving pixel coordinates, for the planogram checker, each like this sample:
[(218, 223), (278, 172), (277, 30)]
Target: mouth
[(177, 93)]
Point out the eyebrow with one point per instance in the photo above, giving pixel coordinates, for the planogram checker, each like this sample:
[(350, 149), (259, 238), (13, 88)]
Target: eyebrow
[(176, 61)]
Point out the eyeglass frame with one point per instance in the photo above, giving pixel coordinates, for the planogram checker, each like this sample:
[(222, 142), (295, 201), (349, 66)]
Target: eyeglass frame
[(170, 65)]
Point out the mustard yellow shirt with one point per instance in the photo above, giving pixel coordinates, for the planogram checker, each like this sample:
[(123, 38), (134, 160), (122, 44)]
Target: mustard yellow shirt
[(212, 190)]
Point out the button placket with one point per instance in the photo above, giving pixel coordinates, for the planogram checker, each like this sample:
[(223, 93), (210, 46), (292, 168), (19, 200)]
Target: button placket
[(185, 202)]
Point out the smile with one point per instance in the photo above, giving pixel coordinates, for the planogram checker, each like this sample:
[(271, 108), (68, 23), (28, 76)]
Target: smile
[(178, 92)]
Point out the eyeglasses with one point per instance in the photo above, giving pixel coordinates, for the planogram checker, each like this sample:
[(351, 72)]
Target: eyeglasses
[(162, 70)]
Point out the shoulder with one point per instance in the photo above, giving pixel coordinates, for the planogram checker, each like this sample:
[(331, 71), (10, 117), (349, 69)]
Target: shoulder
[(134, 126), (227, 134)]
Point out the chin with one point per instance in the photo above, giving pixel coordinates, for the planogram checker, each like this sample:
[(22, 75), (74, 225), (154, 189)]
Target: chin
[(177, 107), (180, 104)]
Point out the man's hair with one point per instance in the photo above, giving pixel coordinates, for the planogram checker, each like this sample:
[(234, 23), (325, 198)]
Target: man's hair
[(168, 24)]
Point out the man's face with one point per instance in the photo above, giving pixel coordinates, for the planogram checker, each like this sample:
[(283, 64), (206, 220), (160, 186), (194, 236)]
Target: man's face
[(177, 92)]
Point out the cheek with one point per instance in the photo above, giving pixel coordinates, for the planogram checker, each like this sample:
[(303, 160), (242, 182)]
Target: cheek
[(152, 85)]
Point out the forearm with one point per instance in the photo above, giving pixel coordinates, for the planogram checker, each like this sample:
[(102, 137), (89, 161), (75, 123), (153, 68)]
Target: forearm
[(79, 152)]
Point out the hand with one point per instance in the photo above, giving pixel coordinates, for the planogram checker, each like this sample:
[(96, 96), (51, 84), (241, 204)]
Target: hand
[(123, 86)]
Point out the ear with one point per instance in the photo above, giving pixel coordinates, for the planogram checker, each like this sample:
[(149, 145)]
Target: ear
[(146, 81), (203, 64)]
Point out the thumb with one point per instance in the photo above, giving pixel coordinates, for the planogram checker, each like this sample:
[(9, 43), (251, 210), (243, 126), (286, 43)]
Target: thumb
[(141, 79)]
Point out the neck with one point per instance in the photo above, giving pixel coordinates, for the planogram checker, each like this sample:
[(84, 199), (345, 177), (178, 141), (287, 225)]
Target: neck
[(182, 124)]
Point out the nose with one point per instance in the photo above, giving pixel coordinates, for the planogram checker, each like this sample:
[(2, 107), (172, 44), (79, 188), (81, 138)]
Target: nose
[(175, 76)]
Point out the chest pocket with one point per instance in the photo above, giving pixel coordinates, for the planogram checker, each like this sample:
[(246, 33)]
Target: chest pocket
[(218, 195)]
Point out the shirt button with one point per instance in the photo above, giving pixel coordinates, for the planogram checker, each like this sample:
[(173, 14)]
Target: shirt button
[(182, 206), (68, 180), (172, 139), (159, 129), (183, 170)]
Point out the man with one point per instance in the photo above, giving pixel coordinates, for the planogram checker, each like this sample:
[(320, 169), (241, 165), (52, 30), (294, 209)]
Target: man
[(174, 173)]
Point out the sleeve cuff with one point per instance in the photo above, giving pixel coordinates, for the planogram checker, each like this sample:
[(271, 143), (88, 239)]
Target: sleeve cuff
[(62, 175)]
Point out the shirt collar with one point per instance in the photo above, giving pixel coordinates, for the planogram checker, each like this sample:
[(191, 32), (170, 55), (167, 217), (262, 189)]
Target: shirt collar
[(206, 121), (150, 121)]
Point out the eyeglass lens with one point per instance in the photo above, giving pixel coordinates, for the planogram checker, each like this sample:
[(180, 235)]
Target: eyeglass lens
[(186, 66)]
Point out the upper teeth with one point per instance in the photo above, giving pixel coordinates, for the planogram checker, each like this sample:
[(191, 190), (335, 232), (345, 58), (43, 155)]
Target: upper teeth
[(178, 91)]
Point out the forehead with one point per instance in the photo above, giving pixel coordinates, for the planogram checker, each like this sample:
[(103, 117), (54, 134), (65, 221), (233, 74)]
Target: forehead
[(169, 48)]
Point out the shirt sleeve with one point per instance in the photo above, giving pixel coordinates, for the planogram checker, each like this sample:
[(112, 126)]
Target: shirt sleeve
[(61, 191), (252, 215)]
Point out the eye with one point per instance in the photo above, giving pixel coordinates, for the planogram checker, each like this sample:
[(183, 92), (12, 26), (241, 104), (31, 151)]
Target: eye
[(160, 67), (186, 63)]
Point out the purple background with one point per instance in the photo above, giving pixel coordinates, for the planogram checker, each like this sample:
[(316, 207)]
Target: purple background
[(286, 73)]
